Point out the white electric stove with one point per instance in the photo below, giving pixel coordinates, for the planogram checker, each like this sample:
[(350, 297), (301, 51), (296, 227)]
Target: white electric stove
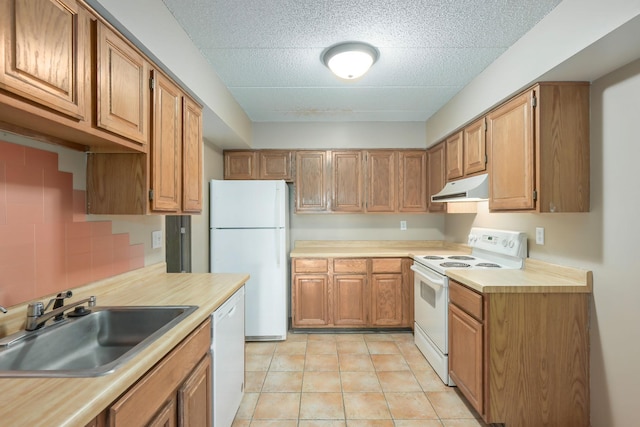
[(491, 249)]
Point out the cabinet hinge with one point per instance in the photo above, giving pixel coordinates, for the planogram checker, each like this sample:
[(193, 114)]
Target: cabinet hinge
[(150, 194), (152, 83), (535, 195), (183, 230), (486, 159), (534, 101)]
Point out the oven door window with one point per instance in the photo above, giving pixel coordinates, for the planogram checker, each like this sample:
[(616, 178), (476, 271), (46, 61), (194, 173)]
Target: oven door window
[(428, 294)]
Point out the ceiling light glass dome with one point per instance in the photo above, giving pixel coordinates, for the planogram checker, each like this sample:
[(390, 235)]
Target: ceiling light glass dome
[(351, 60)]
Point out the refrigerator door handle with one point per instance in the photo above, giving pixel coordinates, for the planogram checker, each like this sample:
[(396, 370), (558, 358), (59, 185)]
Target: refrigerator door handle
[(276, 228)]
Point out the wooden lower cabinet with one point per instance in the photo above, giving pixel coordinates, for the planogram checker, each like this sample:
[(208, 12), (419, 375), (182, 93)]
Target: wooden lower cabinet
[(521, 359), (352, 293), (175, 392)]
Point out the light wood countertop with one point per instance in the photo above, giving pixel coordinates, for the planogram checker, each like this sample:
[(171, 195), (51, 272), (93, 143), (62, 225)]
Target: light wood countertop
[(76, 401)]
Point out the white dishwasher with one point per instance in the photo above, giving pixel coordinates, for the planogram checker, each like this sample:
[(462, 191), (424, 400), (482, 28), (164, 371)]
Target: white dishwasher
[(227, 350)]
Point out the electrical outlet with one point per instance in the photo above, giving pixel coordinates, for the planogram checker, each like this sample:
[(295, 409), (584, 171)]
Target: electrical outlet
[(539, 236), (156, 239), (403, 225)]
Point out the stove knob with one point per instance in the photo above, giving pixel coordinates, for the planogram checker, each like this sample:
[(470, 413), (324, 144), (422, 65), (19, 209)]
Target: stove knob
[(511, 243), (504, 243)]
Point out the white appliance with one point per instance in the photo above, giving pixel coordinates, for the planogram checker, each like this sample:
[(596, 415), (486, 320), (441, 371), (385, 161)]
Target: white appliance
[(491, 249), (227, 352), (249, 234)]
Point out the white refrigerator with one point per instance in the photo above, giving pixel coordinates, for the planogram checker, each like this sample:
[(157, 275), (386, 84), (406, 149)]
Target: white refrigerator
[(249, 234)]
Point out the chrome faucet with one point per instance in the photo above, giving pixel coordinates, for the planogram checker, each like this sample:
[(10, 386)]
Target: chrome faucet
[(36, 316), (2, 309)]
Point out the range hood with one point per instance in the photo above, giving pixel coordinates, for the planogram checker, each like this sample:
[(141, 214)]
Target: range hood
[(472, 189)]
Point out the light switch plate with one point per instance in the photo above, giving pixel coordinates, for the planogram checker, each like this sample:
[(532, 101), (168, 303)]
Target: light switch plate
[(156, 239), (403, 225), (539, 236)]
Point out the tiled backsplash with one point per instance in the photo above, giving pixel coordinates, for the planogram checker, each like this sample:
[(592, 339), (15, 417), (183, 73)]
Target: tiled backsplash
[(46, 244)]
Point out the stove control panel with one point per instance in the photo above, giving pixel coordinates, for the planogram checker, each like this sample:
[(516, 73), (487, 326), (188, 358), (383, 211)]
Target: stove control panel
[(512, 243)]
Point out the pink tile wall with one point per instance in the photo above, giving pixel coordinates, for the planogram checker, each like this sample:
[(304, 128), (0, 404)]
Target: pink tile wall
[(46, 244)]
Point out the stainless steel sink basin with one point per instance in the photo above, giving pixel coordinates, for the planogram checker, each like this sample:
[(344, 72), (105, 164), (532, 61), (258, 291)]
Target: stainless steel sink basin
[(89, 346)]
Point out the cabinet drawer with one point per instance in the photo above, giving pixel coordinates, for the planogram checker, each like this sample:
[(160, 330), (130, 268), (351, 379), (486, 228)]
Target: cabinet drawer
[(468, 300), (350, 265), (318, 265), (386, 265)]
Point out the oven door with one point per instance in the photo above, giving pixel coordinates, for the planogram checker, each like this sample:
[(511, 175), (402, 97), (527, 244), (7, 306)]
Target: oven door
[(431, 305)]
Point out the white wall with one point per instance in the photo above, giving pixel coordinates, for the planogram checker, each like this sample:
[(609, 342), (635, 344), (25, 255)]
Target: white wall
[(604, 240)]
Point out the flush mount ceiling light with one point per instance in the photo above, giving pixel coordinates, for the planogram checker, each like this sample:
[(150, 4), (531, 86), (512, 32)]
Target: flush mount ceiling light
[(350, 60)]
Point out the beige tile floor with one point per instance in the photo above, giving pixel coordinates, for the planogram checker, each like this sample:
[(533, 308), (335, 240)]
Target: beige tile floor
[(347, 380)]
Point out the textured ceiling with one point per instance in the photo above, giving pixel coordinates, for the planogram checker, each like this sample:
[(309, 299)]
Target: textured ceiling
[(267, 52)]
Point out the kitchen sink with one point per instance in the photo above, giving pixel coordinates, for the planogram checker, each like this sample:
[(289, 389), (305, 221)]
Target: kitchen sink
[(89, 346)]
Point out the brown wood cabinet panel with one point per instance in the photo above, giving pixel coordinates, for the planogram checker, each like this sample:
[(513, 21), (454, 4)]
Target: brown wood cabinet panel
[(310, 296), (386, 300), (310, 265), (166, 146), (117, 184), (381, 185), (510, 132), (312, 182), (350, 300), (455, 156), (413, 181), (194, 397), (167, 416), (347, 183), (275, 164), (475, 147), (138, 405), (122, 87), (350, 265), (466, 362), (436, 176), (466, 299), (386, 265), (45, 52), (240, 165), (191, 156)]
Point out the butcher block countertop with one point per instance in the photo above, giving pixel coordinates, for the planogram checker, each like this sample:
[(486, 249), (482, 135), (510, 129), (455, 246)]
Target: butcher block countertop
[(536, 277), (76, 401)]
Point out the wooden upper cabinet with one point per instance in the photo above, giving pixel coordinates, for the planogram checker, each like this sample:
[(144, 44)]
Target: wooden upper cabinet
[(240, 165), (381, 181), (275, 164), (347, 182), (166, 146), (475, 153), (413, 181), (437, 178), (455, 158), (510, 132), (191, 156), (311, 183), (46, 51), (122, 87)]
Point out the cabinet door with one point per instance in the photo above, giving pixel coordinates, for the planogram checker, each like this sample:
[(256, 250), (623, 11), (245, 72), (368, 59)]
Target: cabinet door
[(45, 45), (122, 87), (191, 156), (350, 300), (437, 176), (510, 137), (475, 159), (466, 356), (455, 147), (413, 181), (240, 165), (195, 398), (166, 417), (166, 147), (347, 181), (275, 164), (311, 181), (310, 300), (386, 300), (381, 181)]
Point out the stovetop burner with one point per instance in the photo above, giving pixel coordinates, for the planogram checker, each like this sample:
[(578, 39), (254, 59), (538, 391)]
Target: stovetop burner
[(436, 257), (488, 264), (461, 257), (455, 264)]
